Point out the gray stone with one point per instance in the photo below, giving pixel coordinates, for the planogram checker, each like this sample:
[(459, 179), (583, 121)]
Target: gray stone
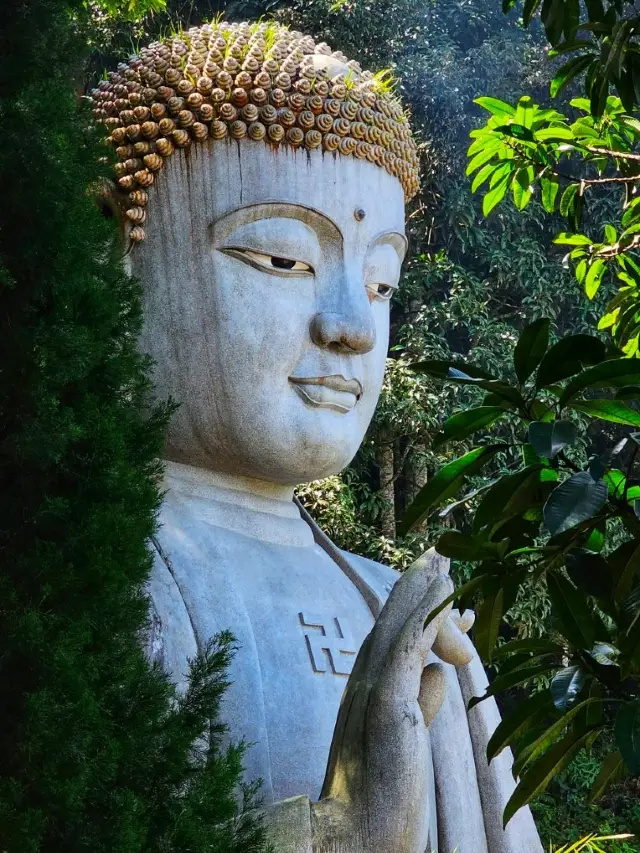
[(265, 315)]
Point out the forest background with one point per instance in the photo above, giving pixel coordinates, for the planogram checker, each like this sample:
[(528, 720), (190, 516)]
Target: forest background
[(471, 285)]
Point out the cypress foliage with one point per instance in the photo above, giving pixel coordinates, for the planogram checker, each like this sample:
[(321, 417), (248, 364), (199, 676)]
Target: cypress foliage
[(97, 753)]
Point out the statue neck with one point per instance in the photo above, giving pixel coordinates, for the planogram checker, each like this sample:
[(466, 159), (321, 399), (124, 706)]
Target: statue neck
[(255, 508)]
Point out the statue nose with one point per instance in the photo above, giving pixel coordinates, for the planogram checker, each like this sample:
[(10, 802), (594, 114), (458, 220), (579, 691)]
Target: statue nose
[(347, 333)]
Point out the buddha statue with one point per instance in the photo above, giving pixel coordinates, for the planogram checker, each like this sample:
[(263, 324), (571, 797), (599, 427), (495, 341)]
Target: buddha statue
[(263, 182)]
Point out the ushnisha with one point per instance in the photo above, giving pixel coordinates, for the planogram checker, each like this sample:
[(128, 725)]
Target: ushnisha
[(261, 81)]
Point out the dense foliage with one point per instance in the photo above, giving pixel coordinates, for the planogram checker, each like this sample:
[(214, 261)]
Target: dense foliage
[(574, 152), (97, 753), (551, 520)]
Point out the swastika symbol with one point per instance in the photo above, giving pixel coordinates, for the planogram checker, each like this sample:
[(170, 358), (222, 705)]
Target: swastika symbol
[(331, 640)]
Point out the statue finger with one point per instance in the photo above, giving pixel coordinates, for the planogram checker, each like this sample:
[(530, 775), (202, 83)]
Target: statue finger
[(465, 620), (433, 686), (405, 597), (452, 645), (405, 662)]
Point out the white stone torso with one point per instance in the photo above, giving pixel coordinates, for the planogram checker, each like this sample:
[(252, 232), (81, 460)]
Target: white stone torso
[(225, 558), (299, 621)]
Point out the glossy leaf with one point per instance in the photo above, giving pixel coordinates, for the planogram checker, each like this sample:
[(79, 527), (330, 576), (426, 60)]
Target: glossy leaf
[(568, 200), (445, 484), (577, 499), (566, 685), (537, 778), (440, 369), (614, 373), (537, 747), (568, 357), (570, 606), (590, 572), (608, 410), (531, 347), (508, 495), (462, 546), (569, 72), (487, 623), (537, 646), (463, 424), (495, 106), (511, 727), (593, 279), (548, 439), (613, 770), (549, 186), (529, 10), (522, 187), (462, 592), (495, 195), (522, 675)]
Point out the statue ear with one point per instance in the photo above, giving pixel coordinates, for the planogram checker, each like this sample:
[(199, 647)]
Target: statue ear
[(112, 205)]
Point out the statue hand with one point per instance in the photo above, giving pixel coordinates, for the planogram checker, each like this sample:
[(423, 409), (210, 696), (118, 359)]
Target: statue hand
[(376, 793)]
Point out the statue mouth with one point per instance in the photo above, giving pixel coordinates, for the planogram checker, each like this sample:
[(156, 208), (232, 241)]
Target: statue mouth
[(328, 392)]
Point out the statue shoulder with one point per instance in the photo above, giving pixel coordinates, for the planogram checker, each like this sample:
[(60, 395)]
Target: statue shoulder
[(377, 576)]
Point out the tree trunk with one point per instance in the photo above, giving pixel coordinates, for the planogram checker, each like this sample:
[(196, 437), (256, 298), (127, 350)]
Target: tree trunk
[(387, 489)]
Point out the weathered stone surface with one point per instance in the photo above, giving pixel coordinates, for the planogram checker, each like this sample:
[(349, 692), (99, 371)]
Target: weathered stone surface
[(265, 316)]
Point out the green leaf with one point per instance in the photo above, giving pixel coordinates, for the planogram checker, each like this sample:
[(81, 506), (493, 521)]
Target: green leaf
[(482, 176), (607, 410), (566, 686), (495, 106), (593, 278), (517, 131), (571, 607), (547, 768), (445, 483), (529, 10), (627, 735), (524, 112), (494, 386), (463, 424), (613, 770), (549, 185), (568, 200), (531, 347), (589, 572), (463, 591), (440, 369), (509, 495), (565, 238), (569, 356), (555, 134), (487, 624), (526, 714), (512, 679), (548, 439), (545, 739), (522, 187), (538, 646), (462, 546), (569, 72), (614, 373), (577, 499), (495, 195), (480, 159)]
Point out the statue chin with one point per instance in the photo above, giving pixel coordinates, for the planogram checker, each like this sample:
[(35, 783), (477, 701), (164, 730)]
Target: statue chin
[(287, 456)]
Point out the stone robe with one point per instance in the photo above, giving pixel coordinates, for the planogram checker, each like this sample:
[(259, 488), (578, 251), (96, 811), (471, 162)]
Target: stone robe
[(300, 609)]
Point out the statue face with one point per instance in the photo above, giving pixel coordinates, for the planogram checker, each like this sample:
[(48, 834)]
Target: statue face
[(267, 280)]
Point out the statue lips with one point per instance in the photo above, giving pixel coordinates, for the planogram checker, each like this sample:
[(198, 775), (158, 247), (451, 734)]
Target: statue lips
[(328, 392)]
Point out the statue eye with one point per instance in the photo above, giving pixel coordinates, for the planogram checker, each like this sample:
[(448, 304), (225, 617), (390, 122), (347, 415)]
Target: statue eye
[(382, 292), (274, 264)]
